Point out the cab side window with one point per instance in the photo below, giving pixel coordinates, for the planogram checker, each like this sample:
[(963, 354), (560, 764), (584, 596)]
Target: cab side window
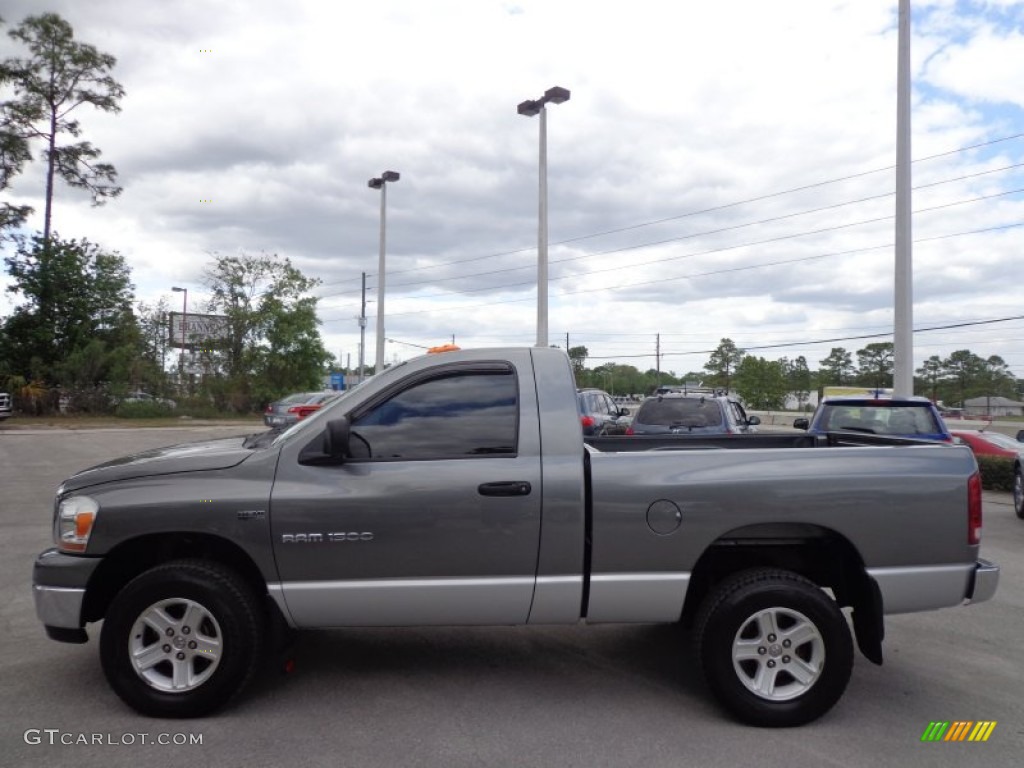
[(457, 415)]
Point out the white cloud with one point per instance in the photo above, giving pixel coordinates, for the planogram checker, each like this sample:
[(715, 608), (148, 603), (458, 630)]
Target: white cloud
[(676, 108)]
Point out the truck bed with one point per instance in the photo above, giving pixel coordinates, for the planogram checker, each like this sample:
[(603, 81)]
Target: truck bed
[(630, 443)]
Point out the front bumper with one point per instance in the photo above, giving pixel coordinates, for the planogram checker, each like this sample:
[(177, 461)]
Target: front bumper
[(59, 582), (985, 581)]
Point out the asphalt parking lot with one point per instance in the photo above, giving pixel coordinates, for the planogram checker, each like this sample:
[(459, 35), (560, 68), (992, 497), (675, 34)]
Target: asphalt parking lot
[(573, 696)]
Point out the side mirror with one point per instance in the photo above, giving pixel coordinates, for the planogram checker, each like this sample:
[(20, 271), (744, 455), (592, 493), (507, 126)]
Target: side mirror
[(801, 424), (336, 437), (753, 420), (1020, 436)]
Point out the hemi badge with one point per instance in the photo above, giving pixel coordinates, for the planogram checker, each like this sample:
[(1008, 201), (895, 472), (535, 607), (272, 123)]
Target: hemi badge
[(251, 514)]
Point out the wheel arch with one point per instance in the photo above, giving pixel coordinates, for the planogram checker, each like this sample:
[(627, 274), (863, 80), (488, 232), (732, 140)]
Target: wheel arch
[(135, 556), (820, 554)]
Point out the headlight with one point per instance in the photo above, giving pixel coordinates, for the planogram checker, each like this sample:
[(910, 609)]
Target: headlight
[(75, 518)]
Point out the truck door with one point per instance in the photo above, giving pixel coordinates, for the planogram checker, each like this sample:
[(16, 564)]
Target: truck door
[(435, 517)]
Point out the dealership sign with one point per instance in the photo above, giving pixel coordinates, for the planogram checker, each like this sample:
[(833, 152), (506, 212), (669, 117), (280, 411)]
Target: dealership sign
[(198, 330)]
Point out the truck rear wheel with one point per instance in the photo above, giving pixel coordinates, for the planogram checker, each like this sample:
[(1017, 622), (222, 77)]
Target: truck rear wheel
[(775, 649), (181, 639)]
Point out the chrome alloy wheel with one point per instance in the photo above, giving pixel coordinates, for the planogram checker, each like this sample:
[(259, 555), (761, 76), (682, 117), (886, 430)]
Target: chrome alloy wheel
[(778, 654), (175, 645)]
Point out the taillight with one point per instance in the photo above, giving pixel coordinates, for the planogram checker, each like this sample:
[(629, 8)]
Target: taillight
[(269, 409), (587, 421), (295, 409), (629, 431), (974, 509)]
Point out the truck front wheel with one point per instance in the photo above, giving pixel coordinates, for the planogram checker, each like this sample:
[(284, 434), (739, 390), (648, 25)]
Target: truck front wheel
[(181, 638), (775, 649)]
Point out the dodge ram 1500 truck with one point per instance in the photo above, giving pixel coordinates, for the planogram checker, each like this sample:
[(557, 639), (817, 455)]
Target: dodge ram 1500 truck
[(456, 489)]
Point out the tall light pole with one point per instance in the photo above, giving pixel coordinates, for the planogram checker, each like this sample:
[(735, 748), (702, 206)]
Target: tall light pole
[(184, 330), (903, 334), (381, 184), (554, 95)]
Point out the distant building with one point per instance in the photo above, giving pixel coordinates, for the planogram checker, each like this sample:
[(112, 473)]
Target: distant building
[(993, 406)]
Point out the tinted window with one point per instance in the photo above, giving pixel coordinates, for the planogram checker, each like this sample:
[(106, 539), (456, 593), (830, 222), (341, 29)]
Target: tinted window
[(473, 414), (681, 412), (881, 420)]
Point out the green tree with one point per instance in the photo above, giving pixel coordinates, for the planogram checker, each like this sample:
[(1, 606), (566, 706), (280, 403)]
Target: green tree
[(931, 374), (875, 363), (578, 358), (799, 380), (59, 75), (997, 378), (72, 293), (274, 344), (836, 369), (762, 383), (963, 369), (723, 362), (14, 153), (155, 330)]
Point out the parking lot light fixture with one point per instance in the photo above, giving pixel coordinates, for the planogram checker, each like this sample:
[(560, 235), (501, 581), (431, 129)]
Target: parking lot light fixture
[(529, 108), (381, 183)]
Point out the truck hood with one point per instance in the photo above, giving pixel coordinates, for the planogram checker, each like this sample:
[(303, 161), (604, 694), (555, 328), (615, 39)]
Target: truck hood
[(221, 453)]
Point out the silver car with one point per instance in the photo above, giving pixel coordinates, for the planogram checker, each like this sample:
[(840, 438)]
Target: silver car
[(285, 412)]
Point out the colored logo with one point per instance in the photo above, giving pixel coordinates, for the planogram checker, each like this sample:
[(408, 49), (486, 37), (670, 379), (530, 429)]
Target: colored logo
[(959, 730)]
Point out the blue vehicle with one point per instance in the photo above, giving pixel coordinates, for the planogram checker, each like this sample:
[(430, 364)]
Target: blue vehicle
[(914, 417)]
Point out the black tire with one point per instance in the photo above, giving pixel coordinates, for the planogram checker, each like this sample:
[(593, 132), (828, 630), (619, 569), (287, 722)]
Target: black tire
[(795, 683), (211, 632), (1018, 492)]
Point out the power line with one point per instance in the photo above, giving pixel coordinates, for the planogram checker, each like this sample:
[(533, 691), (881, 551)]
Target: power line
[(832, 340), (710, 251), (691, 236), (722, 207), (687, 277)]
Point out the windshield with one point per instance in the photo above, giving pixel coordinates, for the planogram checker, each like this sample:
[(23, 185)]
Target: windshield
[(685, 412), (880, 419), (1003, 441)]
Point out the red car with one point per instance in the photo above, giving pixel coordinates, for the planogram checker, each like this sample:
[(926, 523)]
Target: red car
[(989, 443)]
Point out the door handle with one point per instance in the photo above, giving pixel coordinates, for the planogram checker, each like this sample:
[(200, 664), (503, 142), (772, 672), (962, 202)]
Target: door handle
[(505, 488)]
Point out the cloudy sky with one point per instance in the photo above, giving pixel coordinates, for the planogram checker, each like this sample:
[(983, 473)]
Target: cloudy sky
[(721, 169)]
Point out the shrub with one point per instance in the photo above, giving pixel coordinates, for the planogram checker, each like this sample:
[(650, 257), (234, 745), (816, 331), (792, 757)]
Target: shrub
[(199, 407), (143, 411), (996, 473)]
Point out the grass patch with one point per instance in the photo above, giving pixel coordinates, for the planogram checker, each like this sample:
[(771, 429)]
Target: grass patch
[(143, 410), (88, 421)]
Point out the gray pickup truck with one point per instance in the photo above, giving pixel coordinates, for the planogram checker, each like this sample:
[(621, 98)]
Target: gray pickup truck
[(456, 489)]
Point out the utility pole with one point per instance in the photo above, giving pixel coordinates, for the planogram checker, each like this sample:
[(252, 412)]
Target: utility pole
[(566, 342), (657, 356), (362, 331)]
